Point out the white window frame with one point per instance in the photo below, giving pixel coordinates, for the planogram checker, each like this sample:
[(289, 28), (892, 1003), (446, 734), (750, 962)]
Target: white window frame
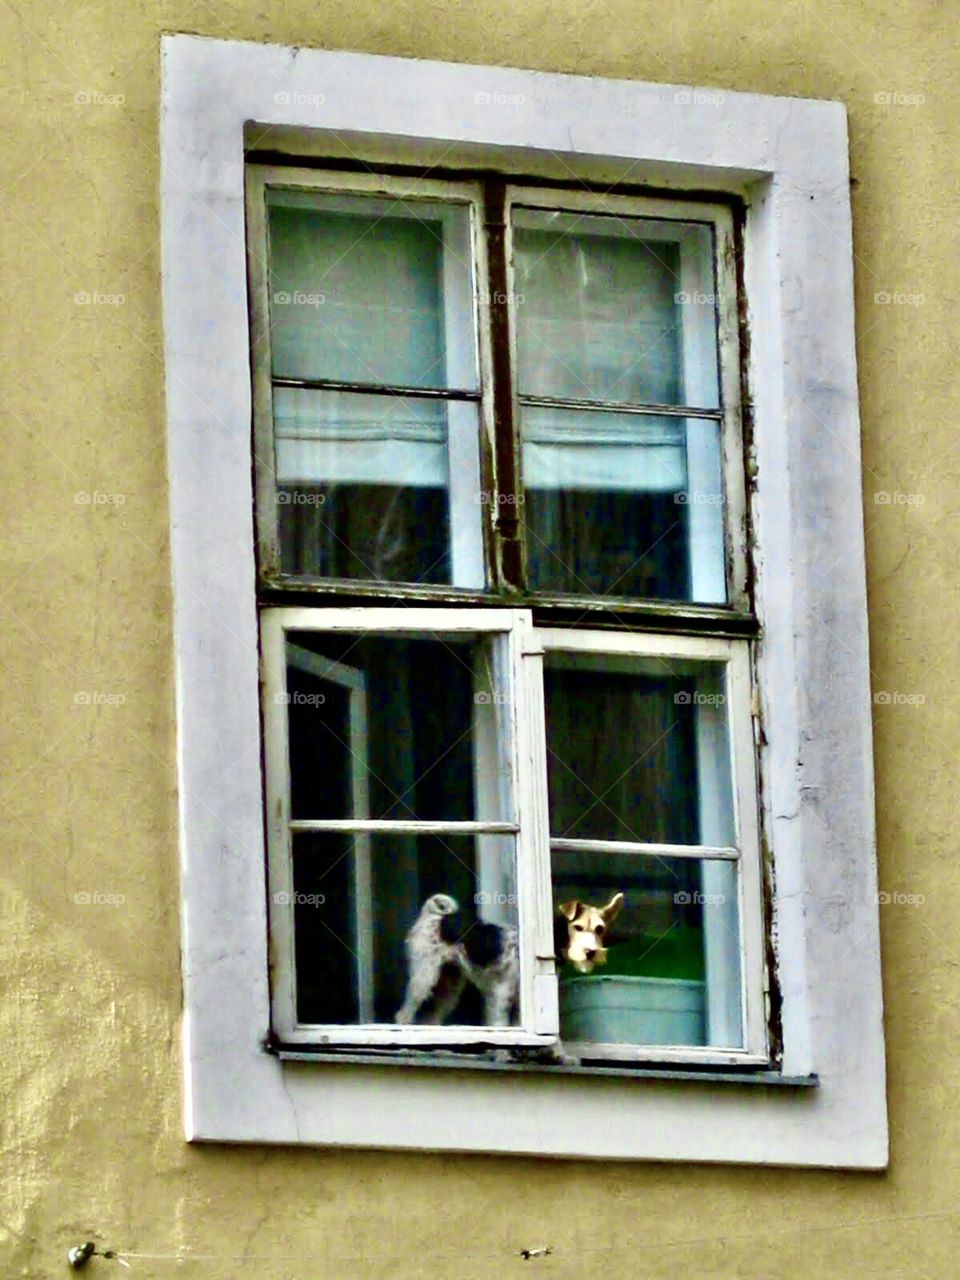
[(353, 680), (526, 763), (787, 160)]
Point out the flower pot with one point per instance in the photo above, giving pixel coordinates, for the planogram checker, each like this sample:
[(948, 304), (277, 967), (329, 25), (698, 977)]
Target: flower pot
[(613, 1009)]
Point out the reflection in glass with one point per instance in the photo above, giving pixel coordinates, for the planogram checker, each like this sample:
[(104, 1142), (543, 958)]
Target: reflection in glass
[(615, 309), (638, 750), (399, 727), (377, 487), (370, 290)]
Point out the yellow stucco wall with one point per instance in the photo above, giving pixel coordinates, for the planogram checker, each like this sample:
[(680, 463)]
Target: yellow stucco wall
[(90, 1069)]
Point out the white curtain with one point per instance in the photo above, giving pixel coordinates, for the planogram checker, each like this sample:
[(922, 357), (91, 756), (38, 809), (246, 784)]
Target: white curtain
[(331, 437), (566, 449)]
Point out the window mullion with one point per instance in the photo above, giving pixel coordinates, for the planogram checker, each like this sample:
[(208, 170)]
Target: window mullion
[(505, 496), (696, 852), (539, 992), (612, 406)]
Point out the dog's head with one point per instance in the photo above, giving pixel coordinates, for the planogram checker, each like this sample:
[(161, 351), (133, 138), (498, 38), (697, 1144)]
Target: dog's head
[(586, 929)]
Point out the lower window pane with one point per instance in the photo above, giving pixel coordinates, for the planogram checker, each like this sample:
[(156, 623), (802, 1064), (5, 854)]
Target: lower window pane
[(400, 928), (372, 532), (381, 488), (666, 968), (623, 505)]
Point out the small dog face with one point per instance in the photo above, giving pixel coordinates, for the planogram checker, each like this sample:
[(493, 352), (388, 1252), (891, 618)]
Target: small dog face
[(586, 929)]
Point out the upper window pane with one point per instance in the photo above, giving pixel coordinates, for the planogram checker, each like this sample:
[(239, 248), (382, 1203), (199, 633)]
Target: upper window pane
[(399, 727), (615, 309), (371, 290), (377, 487)]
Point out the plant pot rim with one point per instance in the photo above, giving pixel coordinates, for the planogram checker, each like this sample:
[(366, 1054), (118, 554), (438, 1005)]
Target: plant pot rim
[(630, 979)]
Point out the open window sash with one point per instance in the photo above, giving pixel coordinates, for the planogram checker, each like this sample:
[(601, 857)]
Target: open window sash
[(510, 767), (504, 755)]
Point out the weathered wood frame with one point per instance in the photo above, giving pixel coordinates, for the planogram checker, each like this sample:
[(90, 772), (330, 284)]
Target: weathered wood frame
[(490, 202)]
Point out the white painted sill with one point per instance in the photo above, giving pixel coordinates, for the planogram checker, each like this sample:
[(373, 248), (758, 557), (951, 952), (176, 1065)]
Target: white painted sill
[(787, 158), (411, 1060)]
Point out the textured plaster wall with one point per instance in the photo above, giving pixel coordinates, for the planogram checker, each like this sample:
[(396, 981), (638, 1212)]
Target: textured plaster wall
[(90, 1073)]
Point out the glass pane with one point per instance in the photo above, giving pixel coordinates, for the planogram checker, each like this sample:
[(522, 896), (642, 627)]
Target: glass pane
[(400, 727), (616, 309), (382, 488), (638, 750), (666, 969), (356, 900), (623, 504), (371, 290)]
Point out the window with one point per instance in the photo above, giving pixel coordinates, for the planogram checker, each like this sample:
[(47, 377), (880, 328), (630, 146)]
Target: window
[(550, 375), (463, 623), (495, 388)]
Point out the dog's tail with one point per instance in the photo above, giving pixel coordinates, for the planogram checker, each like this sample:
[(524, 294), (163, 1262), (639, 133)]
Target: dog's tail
[(440, 904)]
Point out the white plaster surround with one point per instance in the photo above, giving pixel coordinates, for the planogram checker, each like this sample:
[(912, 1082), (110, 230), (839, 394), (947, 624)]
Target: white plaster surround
[(788, 157)]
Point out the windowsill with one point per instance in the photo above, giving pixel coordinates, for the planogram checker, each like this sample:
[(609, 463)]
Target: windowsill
[(458, 1062)]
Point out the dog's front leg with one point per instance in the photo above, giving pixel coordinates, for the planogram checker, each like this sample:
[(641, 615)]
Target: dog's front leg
[(496, 1007), (421, 984), (448, 995)]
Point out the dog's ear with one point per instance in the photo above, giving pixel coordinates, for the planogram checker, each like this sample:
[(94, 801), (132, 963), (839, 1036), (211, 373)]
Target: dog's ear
[(569, 909), (612, 909)]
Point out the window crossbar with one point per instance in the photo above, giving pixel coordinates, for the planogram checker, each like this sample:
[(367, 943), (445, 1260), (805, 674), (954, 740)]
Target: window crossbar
[(699, 852), (379, 389), (612, 406), (404, 826)]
